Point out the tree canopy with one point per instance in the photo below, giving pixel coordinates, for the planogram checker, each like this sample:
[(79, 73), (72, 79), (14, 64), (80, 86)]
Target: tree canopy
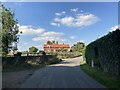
[(33, 49), (8, 31), (78, 47)]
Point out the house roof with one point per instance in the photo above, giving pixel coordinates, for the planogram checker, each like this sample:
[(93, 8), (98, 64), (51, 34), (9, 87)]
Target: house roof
[(57, 45)]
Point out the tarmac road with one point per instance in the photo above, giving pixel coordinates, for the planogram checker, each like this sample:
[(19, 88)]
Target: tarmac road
[(66, 74)]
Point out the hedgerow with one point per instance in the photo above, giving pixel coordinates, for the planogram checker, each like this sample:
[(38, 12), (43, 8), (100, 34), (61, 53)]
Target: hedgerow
[(104, 53)]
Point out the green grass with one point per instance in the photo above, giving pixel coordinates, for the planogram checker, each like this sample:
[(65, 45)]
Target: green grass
[(104, 78)]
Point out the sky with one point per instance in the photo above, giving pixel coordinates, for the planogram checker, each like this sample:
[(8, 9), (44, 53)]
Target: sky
[(65, 22)]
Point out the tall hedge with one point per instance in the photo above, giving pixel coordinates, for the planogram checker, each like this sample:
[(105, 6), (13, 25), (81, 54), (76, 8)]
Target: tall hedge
[(104, 53)]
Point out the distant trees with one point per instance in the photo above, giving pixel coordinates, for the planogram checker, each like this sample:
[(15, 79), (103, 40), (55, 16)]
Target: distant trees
[(52, 42), (8, 31), (78, 47), (33, 49)]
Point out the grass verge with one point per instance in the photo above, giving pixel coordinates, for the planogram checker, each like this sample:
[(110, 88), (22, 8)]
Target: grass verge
[(104, 78)]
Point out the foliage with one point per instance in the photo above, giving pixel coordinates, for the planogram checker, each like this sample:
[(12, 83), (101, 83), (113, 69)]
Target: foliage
[(33, 49), (104, 53), (83, 53), (8, 31), (53, 42), (78, 47)]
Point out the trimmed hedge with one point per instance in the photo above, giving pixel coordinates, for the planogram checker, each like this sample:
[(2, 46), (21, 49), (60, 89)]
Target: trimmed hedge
[(104, 53)]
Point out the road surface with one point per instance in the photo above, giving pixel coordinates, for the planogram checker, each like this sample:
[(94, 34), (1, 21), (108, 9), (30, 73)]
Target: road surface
[(66, 74)]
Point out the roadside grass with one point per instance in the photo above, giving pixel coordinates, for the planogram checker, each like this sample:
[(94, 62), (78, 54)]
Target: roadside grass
[(104, 78)]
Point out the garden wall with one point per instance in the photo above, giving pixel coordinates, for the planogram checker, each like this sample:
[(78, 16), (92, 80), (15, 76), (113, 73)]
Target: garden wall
[(104, 53)]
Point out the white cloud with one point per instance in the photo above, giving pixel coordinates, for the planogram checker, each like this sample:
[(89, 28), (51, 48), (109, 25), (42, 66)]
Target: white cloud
[(68, 21), (74, 9), (29, 30), (77, 21), (55, 24), (114, 28), (58, 14), (61, 13), (46, 38), (72, 37), (57, 36)]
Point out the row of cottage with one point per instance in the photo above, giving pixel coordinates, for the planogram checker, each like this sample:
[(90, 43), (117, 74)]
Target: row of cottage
[(53, 47)]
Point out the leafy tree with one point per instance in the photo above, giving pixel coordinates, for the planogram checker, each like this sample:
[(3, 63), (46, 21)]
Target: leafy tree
[(8, 31), (53, 42), (78, 47), (33, 49)]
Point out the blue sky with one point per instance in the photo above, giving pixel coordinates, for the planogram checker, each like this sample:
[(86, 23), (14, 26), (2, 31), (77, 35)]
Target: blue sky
[(65, 22)]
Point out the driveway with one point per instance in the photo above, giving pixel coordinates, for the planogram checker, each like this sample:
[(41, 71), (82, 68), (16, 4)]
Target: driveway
[(66, 74)]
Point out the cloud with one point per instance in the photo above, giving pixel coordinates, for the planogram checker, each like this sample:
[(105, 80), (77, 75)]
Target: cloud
[(41, 34), (58, 14), (46, 38), (114, 28), (61, 13), (72, 37), (57, 36), (68, 21), (78, 20), (55, 24), (74, 9), (29, 30)]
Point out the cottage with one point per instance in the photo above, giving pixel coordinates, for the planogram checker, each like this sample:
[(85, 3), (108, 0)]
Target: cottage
[(54, 46)]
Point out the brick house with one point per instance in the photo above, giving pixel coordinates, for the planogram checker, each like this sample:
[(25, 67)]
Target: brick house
[(53, 47)]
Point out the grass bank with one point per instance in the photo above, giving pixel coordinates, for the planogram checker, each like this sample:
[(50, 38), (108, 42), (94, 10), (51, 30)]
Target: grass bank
[(104, 78)]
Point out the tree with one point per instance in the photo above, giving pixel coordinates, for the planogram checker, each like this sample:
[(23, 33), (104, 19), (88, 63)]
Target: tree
[(53, 42), (78, 47), (33, 49), (8, 31)]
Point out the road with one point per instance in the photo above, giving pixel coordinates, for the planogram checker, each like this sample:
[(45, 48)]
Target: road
[(66, 74)]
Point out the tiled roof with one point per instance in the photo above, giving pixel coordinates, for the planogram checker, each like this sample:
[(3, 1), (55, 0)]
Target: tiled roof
[(57, 45)]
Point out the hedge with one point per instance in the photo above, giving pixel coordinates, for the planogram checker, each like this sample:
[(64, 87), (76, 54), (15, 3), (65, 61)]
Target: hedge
[(104, 53)]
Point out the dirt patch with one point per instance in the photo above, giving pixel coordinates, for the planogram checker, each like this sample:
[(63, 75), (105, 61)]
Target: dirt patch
[(15, 79)]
